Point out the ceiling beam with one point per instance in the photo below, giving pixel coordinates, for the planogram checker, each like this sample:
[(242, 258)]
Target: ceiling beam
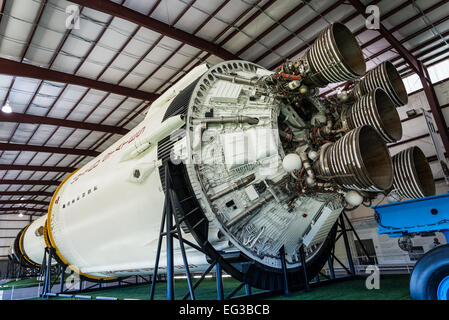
[(36, 168), (408, 73), (410, 20), (18, 69), (31, 182), (26, 201), (434, 56), (298, 31), (26, 147), (189, 65), (28, 118), (142, 20), (26, 193), (2, 9), (387, 35), (433, 158), (273, 26), (16, 209)]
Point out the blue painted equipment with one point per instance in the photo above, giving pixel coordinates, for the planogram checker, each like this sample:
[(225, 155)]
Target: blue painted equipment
[(414, 216), (430, 276)]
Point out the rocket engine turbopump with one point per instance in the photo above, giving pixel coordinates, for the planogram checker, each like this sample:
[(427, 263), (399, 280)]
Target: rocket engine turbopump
[(261, 166)]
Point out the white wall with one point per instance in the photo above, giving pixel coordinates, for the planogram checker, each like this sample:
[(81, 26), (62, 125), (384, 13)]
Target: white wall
[(10, 225)]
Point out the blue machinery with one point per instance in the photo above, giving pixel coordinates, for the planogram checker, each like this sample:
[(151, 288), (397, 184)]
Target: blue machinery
[(430, 277)]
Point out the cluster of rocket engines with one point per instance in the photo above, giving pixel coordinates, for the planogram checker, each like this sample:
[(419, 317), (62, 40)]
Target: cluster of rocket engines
[(259, 199)]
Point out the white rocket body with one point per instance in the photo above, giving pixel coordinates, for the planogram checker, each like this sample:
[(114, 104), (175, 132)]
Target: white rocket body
[(104, 221), (34, 242)]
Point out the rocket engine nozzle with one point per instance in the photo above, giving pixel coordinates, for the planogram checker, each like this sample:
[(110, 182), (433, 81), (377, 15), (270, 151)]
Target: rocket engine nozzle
[(383, 76), (335, 56), (360, 160), (412, 174), (377, 110)]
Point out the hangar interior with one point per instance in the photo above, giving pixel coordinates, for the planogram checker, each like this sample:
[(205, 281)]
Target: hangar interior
[(77, 76)]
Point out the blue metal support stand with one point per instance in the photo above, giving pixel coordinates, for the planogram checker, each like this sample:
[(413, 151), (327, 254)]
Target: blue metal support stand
[(171, 231), (302, 256), (19, 273), (61, 283), (169, 253), (247, 289), (330, 263), (348, 249), (218, 273), (284, 271), (158, 253), (46, 271)]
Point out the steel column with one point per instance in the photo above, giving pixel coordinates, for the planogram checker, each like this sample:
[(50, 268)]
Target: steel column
[(302, 256), (169, 249), (218, 274), (61, 284), (330, 264), (434, 106), (348, 249), (247, 289), (284, 271)]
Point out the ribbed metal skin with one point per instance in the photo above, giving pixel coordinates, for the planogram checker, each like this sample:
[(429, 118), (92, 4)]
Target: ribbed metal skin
[(383, 76), (384, 118), (327, 61), (412, 174), (345, 162)]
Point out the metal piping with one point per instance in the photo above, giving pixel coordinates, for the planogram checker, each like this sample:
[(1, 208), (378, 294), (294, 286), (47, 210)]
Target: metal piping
[(237, 185), (235, 119)]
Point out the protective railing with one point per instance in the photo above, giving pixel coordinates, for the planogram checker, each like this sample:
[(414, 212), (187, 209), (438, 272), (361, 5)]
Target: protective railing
[(387, 264)]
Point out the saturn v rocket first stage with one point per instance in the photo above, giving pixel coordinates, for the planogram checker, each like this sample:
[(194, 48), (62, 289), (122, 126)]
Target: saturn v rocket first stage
[(259, 162)]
